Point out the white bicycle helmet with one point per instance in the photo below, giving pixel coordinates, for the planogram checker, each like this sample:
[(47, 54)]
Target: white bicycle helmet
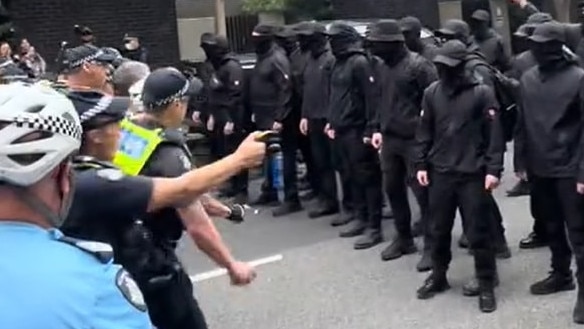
[(26, 109)]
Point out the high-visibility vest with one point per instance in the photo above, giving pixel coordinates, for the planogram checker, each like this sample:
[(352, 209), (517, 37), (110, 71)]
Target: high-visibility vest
[(136, 146)]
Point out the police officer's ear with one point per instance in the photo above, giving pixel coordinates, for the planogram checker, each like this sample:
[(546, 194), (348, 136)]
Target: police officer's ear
[(95, 136)]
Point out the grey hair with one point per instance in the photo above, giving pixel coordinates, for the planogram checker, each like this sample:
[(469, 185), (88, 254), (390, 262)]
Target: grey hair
[(128, 74)]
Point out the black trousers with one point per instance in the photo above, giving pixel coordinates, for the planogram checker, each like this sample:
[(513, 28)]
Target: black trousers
[(289, 143), (447, 192), (361, 163), (398, 174), (536, 206), (225, 145), (322, 155), (562, 207), (172, 305), (494, 213)]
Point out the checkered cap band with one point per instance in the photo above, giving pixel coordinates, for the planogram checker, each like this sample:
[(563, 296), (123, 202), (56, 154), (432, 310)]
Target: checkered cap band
[(98, 109), (181, 93), (87, 59), (50, 123)]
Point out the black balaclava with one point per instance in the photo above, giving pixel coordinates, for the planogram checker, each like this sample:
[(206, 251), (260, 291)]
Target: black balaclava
[(480, 29), (548, 54), (206, 40), (315, 43), (289, 44), (412, 30), (391, 52), (217, 49), (262, 44), (343, 38), (451, 76)]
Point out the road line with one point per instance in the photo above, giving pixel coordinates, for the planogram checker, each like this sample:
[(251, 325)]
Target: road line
[(221, 271)]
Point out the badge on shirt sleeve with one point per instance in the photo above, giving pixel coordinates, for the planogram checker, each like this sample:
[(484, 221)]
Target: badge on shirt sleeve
[(492, 113), (110, 174), (185, 161), (236, 82), (371, 79), (129, 288)]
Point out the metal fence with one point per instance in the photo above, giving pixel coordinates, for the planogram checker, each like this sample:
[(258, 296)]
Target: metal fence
[(239, 30)]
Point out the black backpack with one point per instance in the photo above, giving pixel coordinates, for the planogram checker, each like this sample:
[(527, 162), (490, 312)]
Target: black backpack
[(507, 92)]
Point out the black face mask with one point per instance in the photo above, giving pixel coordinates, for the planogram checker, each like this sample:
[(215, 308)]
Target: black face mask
[(547, 54), (340, 45), (451, 76), (412, 40), (262, 44), (480, 30), (289, 45), (390, 52)]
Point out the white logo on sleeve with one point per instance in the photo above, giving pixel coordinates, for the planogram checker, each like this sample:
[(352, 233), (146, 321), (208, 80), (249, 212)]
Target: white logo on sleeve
[(130, 290), (186, 162), (371, 79)]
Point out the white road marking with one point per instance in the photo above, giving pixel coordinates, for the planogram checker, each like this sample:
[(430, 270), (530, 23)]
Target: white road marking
[(221, 271)]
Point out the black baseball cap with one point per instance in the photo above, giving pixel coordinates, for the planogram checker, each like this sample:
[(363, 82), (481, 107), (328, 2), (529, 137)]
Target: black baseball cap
[(165, 85), (410, 24), (342, 29), (309, 28), (481, 15), (454, 28), (76, 57), (548, 32), (451, 53), (286, 32), (96, 109), (265, 30), (130, 35), (387, 30)]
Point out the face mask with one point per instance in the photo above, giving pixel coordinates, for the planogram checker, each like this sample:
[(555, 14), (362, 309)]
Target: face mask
[(305, 43), (340, 45), (412, 40), (390, 52), (547, 53), (262, 44), (480, 30), (450, 75), (288, 45)]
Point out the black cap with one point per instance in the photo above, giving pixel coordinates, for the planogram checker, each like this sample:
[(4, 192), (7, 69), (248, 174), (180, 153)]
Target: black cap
[(455, 28), (533, 20), (207, 38), (286, 32), (265, 30), (481, 15), (96, 109), (547, 32), (130, 35), (410, 24), (166, 85), (451, 53), (309, 28), (342, 29), (216, 40), (387, 30), (76, 57)]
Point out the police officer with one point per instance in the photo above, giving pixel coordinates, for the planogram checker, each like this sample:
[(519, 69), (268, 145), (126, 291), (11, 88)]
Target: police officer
[(165, 97), (412, 29), (404, 77), (78, 277), (270, 98), (520, 64), (89, 68), (459, 156), (490, 42), (547, 147), (351, 107), (314, 113), (226, 107)]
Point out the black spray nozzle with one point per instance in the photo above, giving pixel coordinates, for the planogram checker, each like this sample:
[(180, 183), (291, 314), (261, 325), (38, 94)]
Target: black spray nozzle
[(272, 140)]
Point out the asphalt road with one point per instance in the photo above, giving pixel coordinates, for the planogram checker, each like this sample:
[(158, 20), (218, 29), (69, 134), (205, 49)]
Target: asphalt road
[(322, 283)]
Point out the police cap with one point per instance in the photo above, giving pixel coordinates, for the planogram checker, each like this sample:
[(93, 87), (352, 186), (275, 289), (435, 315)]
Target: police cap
[(96, 109), (452, 53), (165, 85), (548, 32), (76, 57), (387, 30)]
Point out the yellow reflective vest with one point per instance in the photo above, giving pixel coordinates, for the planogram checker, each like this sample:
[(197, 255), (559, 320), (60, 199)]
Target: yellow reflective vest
[(136, 146)]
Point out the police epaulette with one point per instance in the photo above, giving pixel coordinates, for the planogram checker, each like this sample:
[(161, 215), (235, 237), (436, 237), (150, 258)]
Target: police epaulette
[(102, 251)]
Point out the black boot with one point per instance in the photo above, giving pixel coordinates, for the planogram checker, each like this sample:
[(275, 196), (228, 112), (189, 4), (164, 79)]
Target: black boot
[(520, 189), (324, 209), (471, 288), (357, 228), (425, 263), (434, 284), (502, 251), (578, 315), (371, 238), (289, 207), (533, 241), (487, 300), (269, 199), (554, 283), (342, 219), (397, 248)]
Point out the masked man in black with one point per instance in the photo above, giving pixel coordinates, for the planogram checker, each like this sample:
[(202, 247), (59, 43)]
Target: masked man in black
[(270, 97), (490, 42), (412, 29), (226, 107), (403, 78), (459, 156), (352, 107), (548, 145), (320, 61)]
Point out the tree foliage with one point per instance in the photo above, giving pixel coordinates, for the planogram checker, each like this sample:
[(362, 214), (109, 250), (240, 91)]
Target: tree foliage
[(298, 9)]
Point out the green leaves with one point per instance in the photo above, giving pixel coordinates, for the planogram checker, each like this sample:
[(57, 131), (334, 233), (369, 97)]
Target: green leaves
[(258, 6)]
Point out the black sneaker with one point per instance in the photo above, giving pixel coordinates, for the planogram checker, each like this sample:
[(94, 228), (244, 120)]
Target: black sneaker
[(397, 248), (520, 189), (554, 283), (434, 284), (370, 239), (533, 241), (425, 263), (578, 315), (487, 301), (342, 219), (357, 228), (471, 288)]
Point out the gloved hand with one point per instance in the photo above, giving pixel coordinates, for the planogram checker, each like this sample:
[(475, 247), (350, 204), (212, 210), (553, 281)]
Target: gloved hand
[(236, 213)]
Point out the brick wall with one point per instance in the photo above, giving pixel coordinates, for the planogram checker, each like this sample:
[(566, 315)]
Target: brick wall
[(48, 22), (426, 10)]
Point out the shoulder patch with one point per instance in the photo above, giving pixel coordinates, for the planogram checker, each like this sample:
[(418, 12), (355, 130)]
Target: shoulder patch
[(102, 251), (110, 174), (185, 161), (371, 79), (129, 288)]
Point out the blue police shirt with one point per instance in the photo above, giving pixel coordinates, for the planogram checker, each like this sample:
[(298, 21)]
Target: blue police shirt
[(48, 283)]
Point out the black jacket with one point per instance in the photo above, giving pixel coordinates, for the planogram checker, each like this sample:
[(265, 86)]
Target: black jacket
[(548, 136), (226, 92), (352, 92), (270, 88), (520, 64), (316, 79), (459, 130), (494, 50), (402, 89)]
